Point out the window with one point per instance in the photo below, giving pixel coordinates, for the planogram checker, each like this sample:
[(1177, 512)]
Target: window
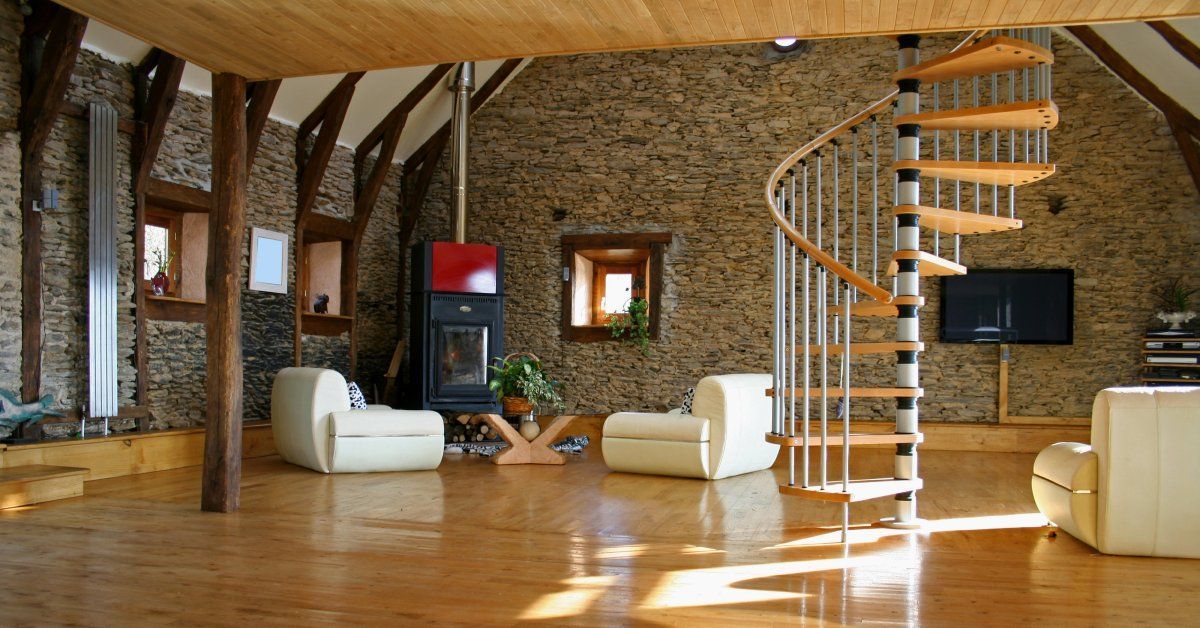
[(602, 273), (174, 237), (161, 247)]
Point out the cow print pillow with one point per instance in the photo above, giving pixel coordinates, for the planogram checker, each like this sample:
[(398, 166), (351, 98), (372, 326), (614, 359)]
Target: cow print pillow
[(686, 408), (357, 401)]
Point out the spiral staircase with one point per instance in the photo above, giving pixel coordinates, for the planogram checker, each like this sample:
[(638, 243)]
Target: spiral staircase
[(989, 125)]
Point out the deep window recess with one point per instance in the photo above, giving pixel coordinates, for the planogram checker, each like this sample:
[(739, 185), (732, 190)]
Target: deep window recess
[(601, 273)]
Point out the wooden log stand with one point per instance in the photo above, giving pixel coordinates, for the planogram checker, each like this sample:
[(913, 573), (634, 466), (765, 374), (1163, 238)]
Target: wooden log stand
[(521, 451)]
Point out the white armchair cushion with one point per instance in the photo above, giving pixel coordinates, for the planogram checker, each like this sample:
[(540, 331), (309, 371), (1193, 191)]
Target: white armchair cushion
[(1069, 465), (386, 423), (654, 426)]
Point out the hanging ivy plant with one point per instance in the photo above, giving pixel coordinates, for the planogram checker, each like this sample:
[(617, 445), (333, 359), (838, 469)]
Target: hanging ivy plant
[(633, 324)]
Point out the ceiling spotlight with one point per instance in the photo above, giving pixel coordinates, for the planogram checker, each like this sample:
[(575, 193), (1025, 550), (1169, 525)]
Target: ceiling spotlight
[(785, 42)]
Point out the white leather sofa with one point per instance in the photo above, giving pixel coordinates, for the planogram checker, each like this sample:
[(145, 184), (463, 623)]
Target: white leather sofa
[(1136, 489), (722, 437), (314, 427)]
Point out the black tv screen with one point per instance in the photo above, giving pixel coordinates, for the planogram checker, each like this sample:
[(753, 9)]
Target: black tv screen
[(1009, 306)]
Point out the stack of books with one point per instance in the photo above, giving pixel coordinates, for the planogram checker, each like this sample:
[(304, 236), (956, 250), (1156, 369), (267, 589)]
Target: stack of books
[(1171, 357)]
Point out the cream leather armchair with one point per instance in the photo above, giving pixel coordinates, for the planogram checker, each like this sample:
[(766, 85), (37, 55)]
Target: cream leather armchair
[(722, 437), (1136, 489), (314, 427)]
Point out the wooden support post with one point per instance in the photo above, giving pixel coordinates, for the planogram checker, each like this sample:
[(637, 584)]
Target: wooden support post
[(49, 47), (310, 171), (226, 228), (154, 100)]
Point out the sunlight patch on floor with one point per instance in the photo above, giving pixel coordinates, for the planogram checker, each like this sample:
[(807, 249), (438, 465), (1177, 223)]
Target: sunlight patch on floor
[(581, 593), (633, 550), (870, 534)]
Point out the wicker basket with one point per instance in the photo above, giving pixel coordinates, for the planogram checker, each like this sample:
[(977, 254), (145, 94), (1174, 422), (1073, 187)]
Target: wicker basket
[(518, 405)]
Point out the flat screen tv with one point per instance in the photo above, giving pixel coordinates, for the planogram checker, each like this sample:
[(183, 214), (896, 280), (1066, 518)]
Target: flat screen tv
[(1009, 306)]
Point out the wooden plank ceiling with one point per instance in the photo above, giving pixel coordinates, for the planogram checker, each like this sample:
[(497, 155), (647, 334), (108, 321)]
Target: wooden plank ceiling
[(272, 39)]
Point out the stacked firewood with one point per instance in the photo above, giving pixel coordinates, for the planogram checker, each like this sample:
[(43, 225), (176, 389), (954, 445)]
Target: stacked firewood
[(466, 428)]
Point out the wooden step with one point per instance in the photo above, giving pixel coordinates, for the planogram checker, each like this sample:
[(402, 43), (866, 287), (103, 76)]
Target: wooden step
[(987, 172), (929, 264), (37, 483), (875, 308), (962, 222), (854, 392), (860, 490), (835, 440), (1016, 116), (868, 348), (994, 54)]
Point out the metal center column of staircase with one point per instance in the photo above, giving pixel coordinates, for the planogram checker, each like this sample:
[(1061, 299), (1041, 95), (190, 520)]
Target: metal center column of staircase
[(1019, 118)]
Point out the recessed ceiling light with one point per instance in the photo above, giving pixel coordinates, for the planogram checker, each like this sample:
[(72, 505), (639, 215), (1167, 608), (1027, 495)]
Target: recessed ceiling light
[(784, 42)]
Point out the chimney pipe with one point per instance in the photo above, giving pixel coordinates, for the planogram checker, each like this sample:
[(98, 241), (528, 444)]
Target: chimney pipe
[(462, 86)]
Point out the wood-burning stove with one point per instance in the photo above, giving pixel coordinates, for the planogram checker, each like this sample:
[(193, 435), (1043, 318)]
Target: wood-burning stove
[(457, 325)]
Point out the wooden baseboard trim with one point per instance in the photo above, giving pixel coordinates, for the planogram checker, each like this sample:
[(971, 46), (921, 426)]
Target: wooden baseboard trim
[(116, 456)]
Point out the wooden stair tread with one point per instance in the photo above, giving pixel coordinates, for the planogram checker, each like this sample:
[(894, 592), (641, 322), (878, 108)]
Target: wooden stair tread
[(25, 473), (36, 483), (962, 222), (994, 54), (869, 348), (929, 265), (860, 490), (987, 172), (875, 308), (1017, 116), (836, 391), (835, 440)]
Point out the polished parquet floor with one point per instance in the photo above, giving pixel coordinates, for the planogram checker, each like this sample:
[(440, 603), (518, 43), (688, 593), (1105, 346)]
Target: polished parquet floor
[(476, 544)]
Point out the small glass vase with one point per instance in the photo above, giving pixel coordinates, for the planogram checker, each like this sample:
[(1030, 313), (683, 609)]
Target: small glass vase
[(160, 283)]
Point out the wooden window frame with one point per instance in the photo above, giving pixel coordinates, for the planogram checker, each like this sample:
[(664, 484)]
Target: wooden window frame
[(655, 244), (173, 200)]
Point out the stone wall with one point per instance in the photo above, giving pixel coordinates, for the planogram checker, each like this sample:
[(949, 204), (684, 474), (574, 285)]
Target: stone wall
[(682, 140), (176, 351)]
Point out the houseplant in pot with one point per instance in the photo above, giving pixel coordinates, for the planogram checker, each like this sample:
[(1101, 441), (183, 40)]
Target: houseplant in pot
[(521, 384), (1175, 303)]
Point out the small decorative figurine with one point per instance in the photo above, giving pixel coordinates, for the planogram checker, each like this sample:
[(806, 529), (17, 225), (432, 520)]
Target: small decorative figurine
[(321, 305)]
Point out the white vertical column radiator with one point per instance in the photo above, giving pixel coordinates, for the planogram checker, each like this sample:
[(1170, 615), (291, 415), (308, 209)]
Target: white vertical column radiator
[(102, 265)]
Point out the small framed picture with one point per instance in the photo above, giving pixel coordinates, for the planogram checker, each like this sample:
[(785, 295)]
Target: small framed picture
[(268, 260)]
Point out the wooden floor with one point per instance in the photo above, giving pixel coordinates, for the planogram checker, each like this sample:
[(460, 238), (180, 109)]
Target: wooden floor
[(473, 544)]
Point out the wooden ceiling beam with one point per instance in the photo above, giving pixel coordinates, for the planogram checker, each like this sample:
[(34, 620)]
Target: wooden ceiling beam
[(400, 111), (1124, 70), (154, 113), (1178, 41), (310, 167), (480, 97), (46, 66), (319, 112), (259, 96), (1187, 148)]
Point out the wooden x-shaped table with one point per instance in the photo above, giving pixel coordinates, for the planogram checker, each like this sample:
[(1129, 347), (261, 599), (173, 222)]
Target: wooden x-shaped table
[(521, 451)]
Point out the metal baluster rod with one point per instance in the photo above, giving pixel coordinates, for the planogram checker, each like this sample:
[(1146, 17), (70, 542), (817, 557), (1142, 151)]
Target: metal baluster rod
[(846, 414), (807, 378), (874, 201)]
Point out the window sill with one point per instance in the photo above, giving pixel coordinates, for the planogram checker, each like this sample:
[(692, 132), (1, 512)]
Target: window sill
[(163, 308)]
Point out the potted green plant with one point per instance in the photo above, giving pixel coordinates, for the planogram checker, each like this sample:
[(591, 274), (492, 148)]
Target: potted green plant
[(521, 384), (1175, 303), (633, 323)]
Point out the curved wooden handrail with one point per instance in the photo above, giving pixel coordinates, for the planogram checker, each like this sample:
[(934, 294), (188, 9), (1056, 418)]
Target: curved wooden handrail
[(865, 285)]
